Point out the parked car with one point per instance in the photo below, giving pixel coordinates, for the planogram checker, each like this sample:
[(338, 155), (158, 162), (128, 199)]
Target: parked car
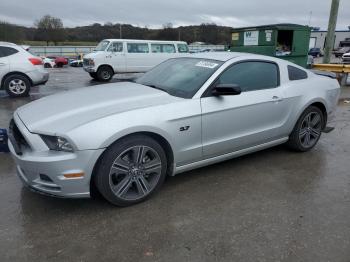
[(341, 51), (125, 138), (315, 52), (59, 60), (346, 58), (48, 63), (20, 70), (113, 56), (76, 63)]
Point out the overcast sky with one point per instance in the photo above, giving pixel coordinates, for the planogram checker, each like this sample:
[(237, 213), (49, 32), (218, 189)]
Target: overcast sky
[(154, 13)]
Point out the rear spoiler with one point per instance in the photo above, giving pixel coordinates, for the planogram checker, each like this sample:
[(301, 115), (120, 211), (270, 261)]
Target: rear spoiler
[(324, 73)]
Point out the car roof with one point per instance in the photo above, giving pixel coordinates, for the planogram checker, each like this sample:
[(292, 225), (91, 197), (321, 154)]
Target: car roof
[(142, 41), (7, 44)]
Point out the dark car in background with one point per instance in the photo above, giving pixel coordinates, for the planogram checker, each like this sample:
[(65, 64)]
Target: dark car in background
[(315, 52), (341, 51)]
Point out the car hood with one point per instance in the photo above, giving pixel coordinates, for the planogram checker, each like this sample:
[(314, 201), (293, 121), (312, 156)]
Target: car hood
[(62, 112)]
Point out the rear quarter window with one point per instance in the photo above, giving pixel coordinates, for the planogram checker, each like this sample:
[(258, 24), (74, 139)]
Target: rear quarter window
[(295, 73), (7, 51)]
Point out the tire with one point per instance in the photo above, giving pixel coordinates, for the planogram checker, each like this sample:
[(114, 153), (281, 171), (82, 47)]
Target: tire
[(105, 73), (17, 85), (93, 75), (131, 170), (59, 64), (47, 65), (307, 130)]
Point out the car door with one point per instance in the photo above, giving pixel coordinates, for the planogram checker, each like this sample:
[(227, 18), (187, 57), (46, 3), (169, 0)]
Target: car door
[(116, 56), (4, 63), (234, 122), (138, 57)]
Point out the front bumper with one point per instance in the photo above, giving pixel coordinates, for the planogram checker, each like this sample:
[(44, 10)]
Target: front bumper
[(44, 170), (89, 69)]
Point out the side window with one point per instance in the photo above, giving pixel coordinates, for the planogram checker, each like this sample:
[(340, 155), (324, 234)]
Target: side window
[(182, 48), (295, 73), (156, 48), (163, 48), (251, 76), (138, 48), (115, 47), (7, 51), (168, 48)]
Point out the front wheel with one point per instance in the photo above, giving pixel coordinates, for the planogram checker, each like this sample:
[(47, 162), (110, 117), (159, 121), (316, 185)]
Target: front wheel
[(131, 170), (307, 130), (105, 73)]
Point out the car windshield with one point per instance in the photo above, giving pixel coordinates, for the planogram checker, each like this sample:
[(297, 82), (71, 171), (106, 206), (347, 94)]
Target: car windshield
[(102, 45), (181, 77)]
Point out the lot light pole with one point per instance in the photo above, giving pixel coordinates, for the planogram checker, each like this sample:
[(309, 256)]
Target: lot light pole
[(331, 31)]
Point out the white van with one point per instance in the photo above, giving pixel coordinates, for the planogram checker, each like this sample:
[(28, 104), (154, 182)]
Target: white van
[(113, 56)]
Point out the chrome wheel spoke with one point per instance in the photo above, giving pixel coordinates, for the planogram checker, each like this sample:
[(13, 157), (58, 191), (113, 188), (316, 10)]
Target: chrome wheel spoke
[(120, 165), (142, 185), (303, 133), (123, 186), (315, 133), (307, 139), (153, 167)]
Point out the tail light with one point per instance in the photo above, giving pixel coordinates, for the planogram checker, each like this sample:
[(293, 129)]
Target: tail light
[(36, 61)]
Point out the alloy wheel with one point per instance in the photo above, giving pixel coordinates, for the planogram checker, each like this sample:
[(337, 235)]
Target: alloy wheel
[(135, 173), (17, 86), (310, 130)]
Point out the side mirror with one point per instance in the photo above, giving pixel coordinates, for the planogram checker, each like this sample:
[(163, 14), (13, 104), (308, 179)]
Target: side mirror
[(226, 90)]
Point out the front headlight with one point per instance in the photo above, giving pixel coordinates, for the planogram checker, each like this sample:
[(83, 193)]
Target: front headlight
[(57, 143)]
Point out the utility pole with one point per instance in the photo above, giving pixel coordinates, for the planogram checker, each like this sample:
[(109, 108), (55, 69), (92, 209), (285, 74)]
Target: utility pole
[(120, 31), (331, 31)]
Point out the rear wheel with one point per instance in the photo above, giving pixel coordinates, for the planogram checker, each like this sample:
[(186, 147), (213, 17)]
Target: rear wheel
[(131, 170), (308, 130), (105, 73), (47, 65), (17, 85)]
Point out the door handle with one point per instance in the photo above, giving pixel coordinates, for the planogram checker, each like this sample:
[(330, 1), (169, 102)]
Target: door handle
[(277, 99)]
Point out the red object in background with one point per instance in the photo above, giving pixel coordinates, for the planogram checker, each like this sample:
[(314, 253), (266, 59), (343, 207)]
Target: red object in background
[(59, 60)]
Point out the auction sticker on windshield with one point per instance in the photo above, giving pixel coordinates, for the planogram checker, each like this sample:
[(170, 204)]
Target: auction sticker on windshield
[(206, 64)]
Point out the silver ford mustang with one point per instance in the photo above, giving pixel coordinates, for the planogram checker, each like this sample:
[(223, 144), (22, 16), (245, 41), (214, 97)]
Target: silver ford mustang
[(125, 138)]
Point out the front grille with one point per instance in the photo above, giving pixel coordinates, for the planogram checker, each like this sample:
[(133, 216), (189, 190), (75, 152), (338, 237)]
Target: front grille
[(86, 62), (17, 138)]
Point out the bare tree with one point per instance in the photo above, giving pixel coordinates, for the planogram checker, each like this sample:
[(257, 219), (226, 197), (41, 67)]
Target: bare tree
[(50, 29)]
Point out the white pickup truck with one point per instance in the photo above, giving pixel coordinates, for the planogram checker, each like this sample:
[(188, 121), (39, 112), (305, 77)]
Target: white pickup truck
[(113, 56)]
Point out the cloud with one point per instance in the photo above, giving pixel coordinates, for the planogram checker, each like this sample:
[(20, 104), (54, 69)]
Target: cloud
[(154, 13)]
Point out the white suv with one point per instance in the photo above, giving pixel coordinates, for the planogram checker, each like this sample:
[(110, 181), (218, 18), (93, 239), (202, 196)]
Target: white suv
[(20, 70)]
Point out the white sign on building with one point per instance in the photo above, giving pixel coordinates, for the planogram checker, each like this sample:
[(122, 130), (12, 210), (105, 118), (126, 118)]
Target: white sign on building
[(251, 38)]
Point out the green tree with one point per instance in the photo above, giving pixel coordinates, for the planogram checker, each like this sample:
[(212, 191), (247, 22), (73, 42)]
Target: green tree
[(50, 28)]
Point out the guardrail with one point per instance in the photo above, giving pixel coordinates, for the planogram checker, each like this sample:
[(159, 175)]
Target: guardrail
[(67, 51), (335, 68), (341, 70)]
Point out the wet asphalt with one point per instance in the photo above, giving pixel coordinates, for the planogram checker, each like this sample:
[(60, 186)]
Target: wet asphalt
[(273, 205)]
